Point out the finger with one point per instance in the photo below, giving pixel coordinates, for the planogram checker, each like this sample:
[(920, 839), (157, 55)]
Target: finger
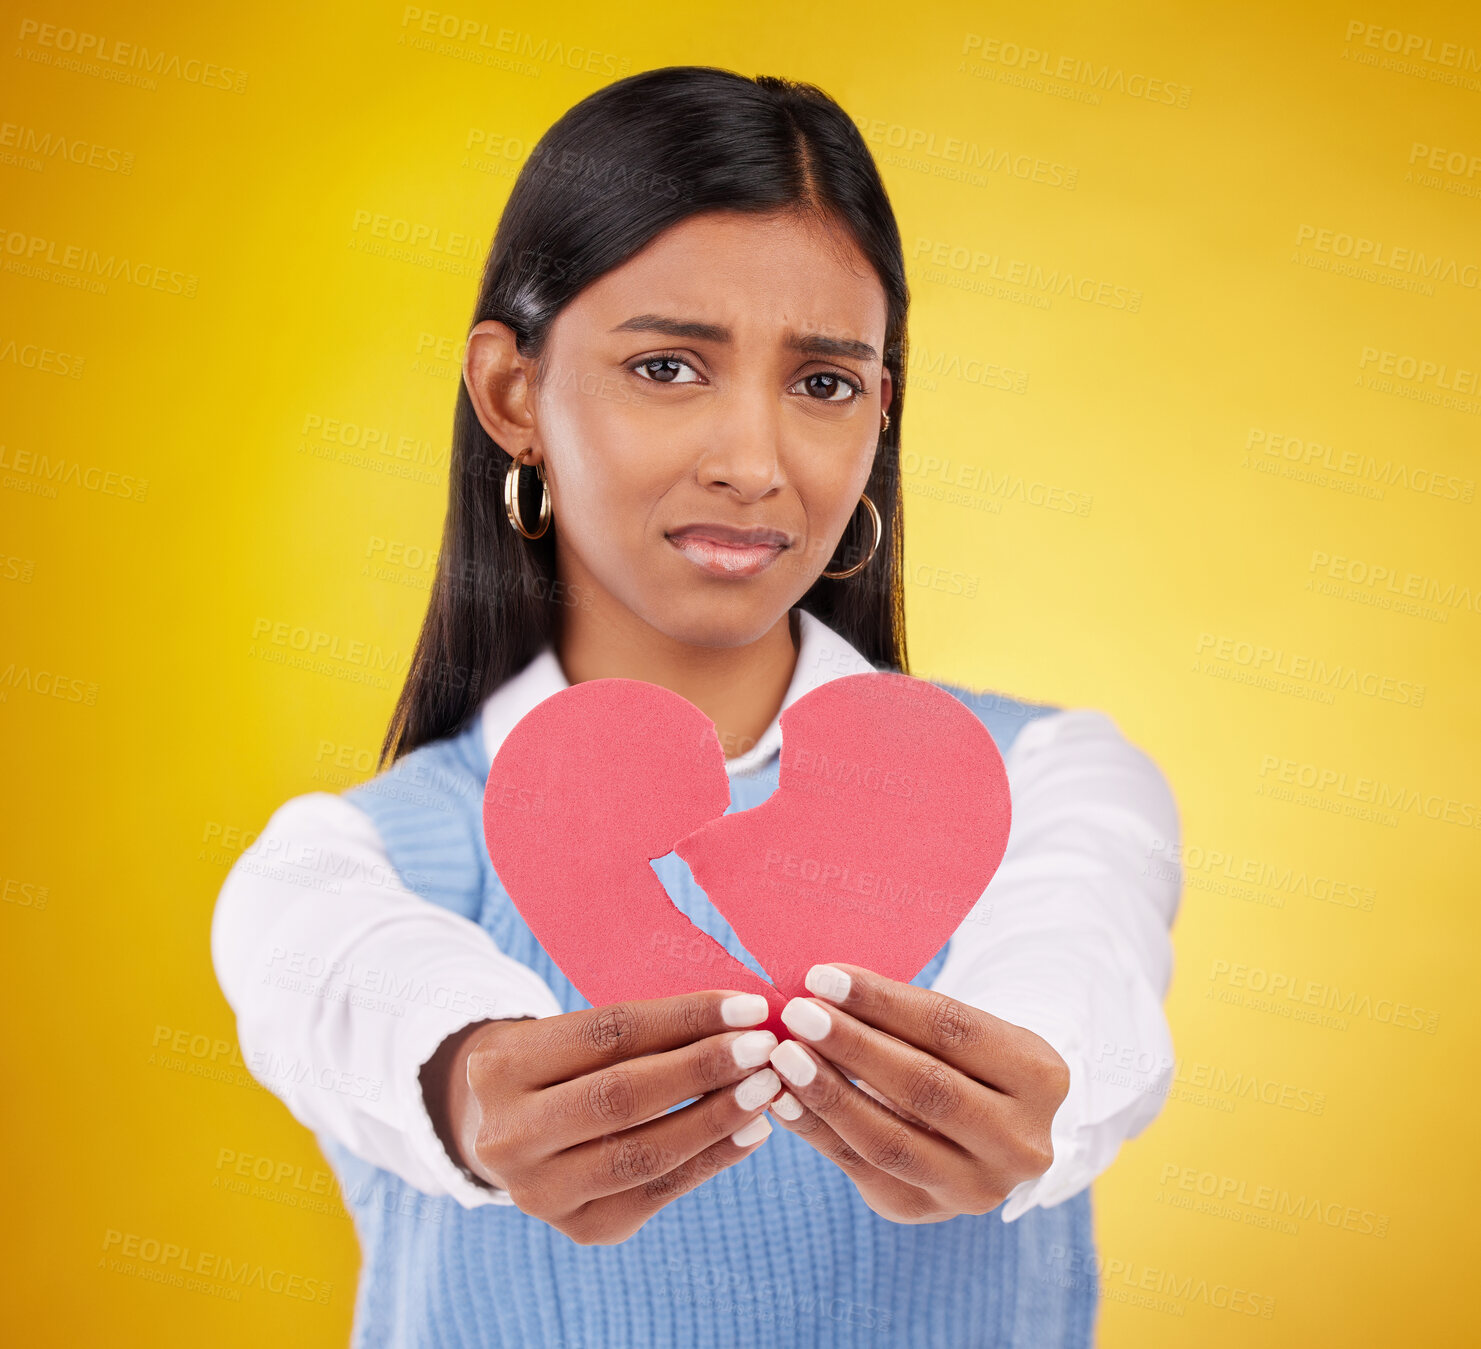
[(793, 1116), (935, 1093), (986, 1048), (889, 1104), (879, 1136), (631, 1093), (631, 1208), (581, 1042), (636, 1157)]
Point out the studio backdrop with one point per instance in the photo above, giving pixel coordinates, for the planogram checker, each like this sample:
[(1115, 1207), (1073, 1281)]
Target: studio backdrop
[(1195, 387)]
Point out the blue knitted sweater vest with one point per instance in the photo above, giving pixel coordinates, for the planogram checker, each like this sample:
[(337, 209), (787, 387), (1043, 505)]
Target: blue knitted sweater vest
[(778, 1250)]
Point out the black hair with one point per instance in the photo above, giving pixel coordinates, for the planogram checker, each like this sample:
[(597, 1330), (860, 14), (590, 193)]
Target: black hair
[(615, 171)]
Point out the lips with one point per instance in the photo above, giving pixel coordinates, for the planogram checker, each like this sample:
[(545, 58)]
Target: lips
[(727, 550)]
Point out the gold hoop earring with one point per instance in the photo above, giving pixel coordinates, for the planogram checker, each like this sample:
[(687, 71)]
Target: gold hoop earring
[(511, 497), (873, 547), (885, 424)]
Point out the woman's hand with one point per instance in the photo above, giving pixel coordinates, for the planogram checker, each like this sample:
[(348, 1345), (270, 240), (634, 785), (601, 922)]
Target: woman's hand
[(952, 1107), (566, 1112)]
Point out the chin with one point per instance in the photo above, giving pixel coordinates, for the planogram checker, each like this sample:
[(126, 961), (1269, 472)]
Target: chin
[(709, 616)]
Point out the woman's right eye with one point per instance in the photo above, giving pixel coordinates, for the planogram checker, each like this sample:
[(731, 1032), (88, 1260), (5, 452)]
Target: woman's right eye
[(665, 370)]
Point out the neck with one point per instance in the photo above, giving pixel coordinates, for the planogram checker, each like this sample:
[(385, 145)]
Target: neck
[(739, 688)]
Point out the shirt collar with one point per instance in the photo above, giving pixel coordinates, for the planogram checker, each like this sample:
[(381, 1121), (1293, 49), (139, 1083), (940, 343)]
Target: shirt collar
[(822, 655)]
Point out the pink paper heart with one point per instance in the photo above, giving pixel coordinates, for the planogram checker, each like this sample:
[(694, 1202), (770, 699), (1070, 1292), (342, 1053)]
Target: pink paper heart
[(890, 816)]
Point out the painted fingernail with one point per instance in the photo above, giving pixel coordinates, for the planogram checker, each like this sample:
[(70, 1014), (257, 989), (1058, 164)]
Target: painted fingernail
[(828, 981), (753, 1132), (805, 1018), (743, 1009), (753, 1048), (794, 1063), (757, 1090), (787, 1106)]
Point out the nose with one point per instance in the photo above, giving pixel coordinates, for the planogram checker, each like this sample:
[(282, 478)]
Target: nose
[(743, 452)]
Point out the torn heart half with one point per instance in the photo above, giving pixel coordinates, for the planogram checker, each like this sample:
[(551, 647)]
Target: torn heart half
[(890, 816)]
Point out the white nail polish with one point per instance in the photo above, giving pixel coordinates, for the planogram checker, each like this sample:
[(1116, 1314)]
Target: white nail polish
[(757, 1090), (794, 1063), (787, 1106), (753, 1048), (828, 981), (804, 1017), (743, 1009), (753, 1132)]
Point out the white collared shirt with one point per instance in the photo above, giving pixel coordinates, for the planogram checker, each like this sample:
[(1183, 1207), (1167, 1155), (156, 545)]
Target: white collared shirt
[(1070, 940)]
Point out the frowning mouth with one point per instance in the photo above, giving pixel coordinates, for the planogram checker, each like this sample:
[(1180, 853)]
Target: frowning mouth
[(726, 550)]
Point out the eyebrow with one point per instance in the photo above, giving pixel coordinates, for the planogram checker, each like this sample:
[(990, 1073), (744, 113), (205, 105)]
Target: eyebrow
[(810, 344)]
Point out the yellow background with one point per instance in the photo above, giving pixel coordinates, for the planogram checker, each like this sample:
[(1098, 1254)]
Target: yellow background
[(173, 730)]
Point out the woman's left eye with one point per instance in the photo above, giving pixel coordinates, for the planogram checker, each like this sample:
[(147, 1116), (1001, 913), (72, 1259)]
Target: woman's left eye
[(665, 370), (826, 387)]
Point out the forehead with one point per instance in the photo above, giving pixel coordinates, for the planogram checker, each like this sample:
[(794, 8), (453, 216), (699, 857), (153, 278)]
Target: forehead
[(750, 272)]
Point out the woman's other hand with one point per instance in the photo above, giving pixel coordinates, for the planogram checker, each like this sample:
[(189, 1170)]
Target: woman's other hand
[(567, 1113), (952, 1106)]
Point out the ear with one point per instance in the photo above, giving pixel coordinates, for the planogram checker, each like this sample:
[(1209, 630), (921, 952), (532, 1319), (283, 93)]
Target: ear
[(499, 382), (886, 389)]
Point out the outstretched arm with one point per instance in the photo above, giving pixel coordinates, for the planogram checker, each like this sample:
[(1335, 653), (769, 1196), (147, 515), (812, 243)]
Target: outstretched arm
[(345, 982)]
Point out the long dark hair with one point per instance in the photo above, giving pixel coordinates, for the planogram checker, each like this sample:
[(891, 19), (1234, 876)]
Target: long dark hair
[(620, 167)]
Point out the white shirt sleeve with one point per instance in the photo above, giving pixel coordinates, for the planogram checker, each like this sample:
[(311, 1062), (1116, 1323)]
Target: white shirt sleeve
[(344, 982), (1071, 938)]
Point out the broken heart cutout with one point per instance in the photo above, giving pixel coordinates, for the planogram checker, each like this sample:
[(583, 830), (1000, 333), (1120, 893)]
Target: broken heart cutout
[(890, 817)]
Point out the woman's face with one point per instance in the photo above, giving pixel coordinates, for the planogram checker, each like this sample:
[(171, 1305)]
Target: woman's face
[(707, 415)]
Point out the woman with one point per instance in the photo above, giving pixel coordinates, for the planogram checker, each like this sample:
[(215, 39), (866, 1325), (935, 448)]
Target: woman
[(676, 459)]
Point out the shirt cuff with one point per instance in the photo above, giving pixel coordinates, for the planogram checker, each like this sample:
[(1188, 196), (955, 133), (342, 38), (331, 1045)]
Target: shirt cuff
[(1099, 1112), (420, 1039)]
